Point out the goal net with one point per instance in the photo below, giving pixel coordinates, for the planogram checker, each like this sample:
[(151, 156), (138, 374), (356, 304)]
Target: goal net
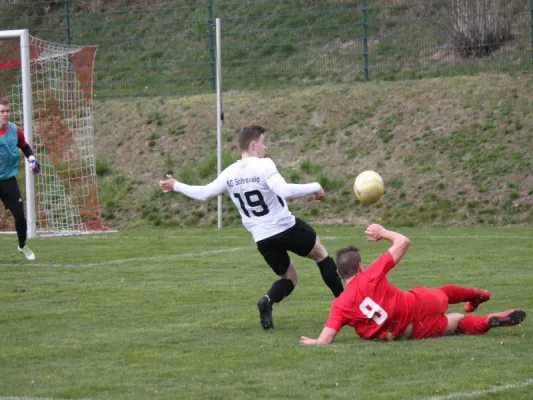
[(56, 90)]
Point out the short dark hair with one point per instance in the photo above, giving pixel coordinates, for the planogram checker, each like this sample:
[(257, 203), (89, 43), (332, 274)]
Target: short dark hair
[(4, 102), (249, 134), (348, 259)]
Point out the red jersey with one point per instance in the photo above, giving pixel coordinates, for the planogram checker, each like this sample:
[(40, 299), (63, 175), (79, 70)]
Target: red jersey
[(20, 136), (372, 305)]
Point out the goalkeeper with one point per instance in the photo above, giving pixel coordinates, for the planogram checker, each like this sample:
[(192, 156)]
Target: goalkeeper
[(12, 139), (378, 310)]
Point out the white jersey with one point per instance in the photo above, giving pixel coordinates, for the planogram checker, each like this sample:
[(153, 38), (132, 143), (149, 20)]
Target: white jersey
[(258, 191), (263, 212)]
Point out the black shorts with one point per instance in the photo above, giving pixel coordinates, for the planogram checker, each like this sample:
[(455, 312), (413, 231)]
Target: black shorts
[(10, 193), (300, 239)]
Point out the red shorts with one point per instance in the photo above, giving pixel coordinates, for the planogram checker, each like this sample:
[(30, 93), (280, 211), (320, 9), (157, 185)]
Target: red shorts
[(430, 315)]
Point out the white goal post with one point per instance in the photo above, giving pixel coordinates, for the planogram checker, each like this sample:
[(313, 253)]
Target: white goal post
[(24, 38), (220, 116), (49, 87)]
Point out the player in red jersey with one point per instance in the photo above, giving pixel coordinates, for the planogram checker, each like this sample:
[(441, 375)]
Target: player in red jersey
[(376, 309)]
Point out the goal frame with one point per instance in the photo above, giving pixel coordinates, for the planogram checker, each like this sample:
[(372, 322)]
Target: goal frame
[(27, 112), (50, 87)]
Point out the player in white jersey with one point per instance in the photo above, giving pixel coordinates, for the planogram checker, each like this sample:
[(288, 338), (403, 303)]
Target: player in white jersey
[(259, 192)]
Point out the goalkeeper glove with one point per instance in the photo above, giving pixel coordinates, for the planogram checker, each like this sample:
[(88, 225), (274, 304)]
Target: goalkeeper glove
[(35, 166)]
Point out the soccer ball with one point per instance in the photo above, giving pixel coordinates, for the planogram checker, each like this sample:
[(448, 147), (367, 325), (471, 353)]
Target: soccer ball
[(368, 187)]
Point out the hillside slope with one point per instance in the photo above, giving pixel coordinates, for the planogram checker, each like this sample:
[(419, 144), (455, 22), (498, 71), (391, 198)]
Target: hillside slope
[(452, 151)]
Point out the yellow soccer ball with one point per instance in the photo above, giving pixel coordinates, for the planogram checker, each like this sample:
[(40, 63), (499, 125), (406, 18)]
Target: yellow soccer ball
[(368, 187)]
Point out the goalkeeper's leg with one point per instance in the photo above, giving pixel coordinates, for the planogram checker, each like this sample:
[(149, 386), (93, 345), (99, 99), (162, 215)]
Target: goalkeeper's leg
[(21, 226), (12, 199)]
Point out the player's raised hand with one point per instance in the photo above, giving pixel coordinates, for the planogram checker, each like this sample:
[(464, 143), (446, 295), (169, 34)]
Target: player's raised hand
[(374, 232), (168, 184), (320, 194)]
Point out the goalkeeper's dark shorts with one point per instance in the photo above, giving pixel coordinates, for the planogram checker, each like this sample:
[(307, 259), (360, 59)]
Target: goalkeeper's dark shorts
[(10, 192), (300, 240)]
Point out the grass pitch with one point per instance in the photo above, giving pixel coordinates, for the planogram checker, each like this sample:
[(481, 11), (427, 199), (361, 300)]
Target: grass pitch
[(168, 314)]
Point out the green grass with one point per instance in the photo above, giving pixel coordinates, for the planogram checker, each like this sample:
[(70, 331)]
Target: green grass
[(167, 314)]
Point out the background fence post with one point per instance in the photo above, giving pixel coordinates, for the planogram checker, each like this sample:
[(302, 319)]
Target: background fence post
[(67, 20), (365, 38), (531, 30), (211, 37)]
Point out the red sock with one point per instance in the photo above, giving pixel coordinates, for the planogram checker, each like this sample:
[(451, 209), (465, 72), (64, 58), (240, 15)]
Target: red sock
[(459, 294), (473, 325)]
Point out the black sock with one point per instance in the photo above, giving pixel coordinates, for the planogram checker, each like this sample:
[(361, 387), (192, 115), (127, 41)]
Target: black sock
[(20, 224), (280, 289), (328, 270)]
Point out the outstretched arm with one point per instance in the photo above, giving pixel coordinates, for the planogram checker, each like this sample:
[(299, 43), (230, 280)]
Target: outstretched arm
[(285, 190), (400, 243), (326, 337), (195, 192), (28, 152), (294, 190)]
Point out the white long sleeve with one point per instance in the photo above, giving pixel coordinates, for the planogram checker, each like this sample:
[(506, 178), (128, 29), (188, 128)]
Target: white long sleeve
[(201, 192), (291, 190)]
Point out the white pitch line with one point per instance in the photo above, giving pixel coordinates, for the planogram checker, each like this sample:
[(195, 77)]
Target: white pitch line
[(133, 259), (219, 251), (30, 398), (477, 393)]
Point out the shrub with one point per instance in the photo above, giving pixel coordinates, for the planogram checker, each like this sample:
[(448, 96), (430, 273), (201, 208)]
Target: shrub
[(478, 27), (102, 166)]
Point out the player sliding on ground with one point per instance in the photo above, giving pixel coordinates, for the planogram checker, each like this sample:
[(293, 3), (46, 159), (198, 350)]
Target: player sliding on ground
[(379, 310), (260, 194)]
